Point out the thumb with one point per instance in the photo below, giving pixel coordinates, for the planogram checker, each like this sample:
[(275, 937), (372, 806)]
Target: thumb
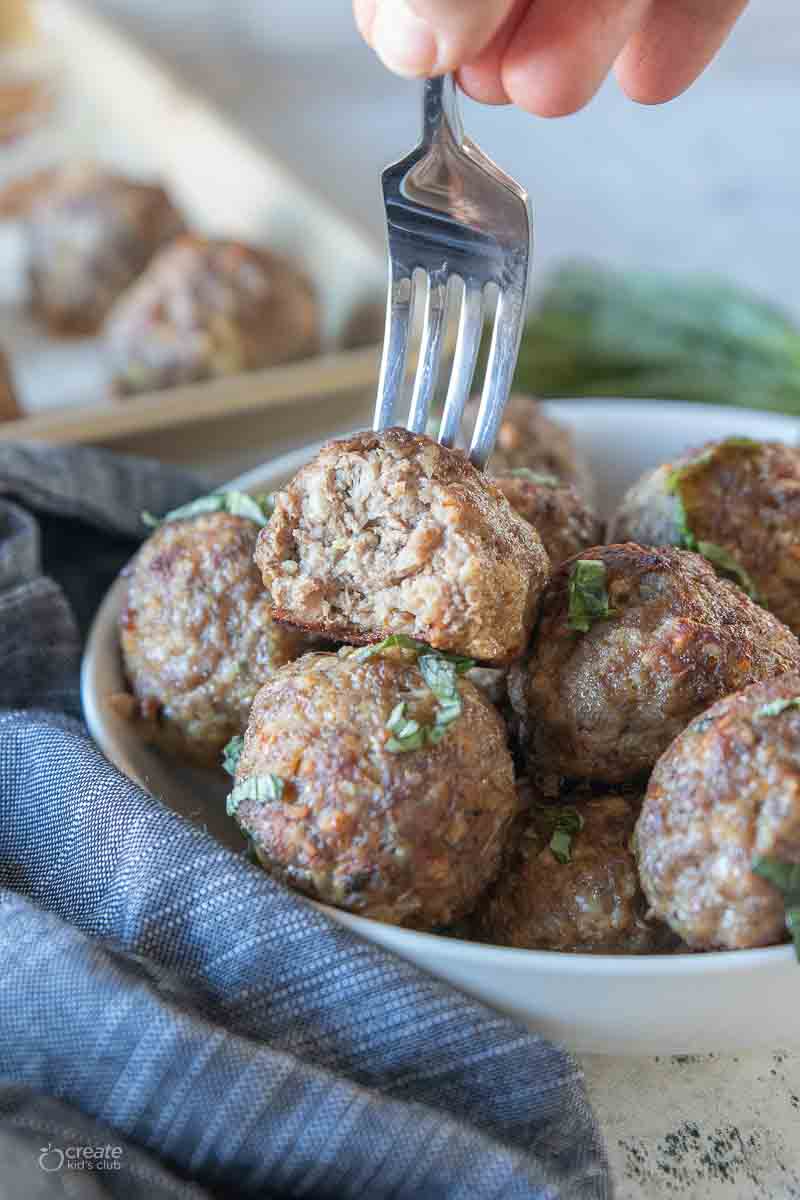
[(429, 37)]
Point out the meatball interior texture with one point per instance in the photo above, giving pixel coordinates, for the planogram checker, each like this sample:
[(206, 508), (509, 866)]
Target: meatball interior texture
[(197, 638), (90, 234), (592, 904), (556, 511), (409, 838), (604, 704), (739, 495), (529, 438), (207, 308), (391, 533), (726, 792)]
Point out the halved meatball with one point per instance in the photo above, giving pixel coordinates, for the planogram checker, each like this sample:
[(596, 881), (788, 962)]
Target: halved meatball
[(569, 883), (8, 400), (207, 308), (557, 512), (90, 233), (529, 438), (721, 817), (632, 644), (197, 637), (391, 533), (738, 502), (358, 808)]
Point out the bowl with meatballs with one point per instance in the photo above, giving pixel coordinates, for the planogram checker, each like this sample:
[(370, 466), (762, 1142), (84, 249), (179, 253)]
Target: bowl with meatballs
[(535, 729)]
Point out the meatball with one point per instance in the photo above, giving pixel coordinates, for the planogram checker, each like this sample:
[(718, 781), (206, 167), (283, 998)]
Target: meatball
[(197, 638), (569, 882), (738, 503), (8, 401), (89, 234), (556, 510), (360, 803), (204, 309), (391, 533), (528, 438), (631, 645), (725, 799)]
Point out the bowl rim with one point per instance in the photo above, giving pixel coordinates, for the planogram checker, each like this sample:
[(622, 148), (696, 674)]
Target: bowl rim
[(685, 964)]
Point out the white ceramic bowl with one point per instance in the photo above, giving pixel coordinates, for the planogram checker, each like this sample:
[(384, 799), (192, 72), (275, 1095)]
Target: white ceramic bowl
[(595, 1003)]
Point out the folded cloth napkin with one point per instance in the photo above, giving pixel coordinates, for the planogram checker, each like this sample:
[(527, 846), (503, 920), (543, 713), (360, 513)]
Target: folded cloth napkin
[(173, 1023)]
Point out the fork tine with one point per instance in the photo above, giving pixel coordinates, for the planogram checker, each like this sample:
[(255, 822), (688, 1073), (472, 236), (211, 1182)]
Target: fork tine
[(499, 375), (395, 345), (429, 355), (470, 327)]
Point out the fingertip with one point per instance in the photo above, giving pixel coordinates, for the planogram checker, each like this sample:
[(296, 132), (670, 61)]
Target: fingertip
[(364, 13), (483, 84), (545, 93)]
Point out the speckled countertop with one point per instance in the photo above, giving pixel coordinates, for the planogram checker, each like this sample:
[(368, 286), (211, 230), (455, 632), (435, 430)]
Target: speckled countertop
[(709, 182)]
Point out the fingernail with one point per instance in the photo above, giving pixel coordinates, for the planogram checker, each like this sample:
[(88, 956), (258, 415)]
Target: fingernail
[(404, 42)]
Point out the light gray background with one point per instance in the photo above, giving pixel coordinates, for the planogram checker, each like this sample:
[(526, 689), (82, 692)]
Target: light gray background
[(712, 182)]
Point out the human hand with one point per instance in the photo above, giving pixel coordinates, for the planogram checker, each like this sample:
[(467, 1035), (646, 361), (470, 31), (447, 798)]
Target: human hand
[(549, 57)]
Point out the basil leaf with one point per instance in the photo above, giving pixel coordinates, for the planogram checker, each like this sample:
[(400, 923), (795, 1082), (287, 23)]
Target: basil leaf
[(440, 676), (541, 478), (562, 823), (588, 598), (461, 663), (786, 878), (265, 789), (776, 707), (232, 753), (238, 504), (407, 734), (719, 557)]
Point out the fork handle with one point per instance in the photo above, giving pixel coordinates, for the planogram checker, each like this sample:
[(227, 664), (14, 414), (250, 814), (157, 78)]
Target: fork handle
[(441, 112)]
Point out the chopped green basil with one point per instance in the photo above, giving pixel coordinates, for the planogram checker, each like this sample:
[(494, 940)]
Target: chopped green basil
[(406, 734), (678, 485), (441, 676), (539, 477), (786, 878), (588, 598), (238, 504), (461, 663), (562, 823), (264, 789), (776, 707), (232, 753), (720, 558)]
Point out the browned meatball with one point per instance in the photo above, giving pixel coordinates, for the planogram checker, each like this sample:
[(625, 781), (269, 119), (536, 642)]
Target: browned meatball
[(8, 401), (529, 438), (578, 893), (360, 818), (738, 503), (90, 232), (631, 645), (724, 797), (197, 637), (556, 510), (209, 308), (391, 533)]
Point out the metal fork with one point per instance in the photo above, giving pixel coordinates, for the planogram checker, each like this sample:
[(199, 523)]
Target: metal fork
[(452, 213)]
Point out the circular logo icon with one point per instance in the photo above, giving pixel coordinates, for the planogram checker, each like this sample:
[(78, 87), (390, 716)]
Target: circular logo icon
[(51, 1158)]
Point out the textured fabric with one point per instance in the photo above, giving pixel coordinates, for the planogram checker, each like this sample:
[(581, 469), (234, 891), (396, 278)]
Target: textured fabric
[(165, 999)]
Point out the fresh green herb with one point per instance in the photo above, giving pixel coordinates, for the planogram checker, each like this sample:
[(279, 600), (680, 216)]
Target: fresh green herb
[(541, 478), (461, 663), (588, 598), (719, 557), (264, 789), (232, 753), (441, 676), (776, 707), (238, 504), (562, 824), (786, 878)]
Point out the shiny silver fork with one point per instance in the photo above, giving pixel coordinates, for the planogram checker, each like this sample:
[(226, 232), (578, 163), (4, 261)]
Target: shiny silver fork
[(453, 214)]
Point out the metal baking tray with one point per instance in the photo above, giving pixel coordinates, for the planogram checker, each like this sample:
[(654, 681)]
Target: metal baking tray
[(121, 107)]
